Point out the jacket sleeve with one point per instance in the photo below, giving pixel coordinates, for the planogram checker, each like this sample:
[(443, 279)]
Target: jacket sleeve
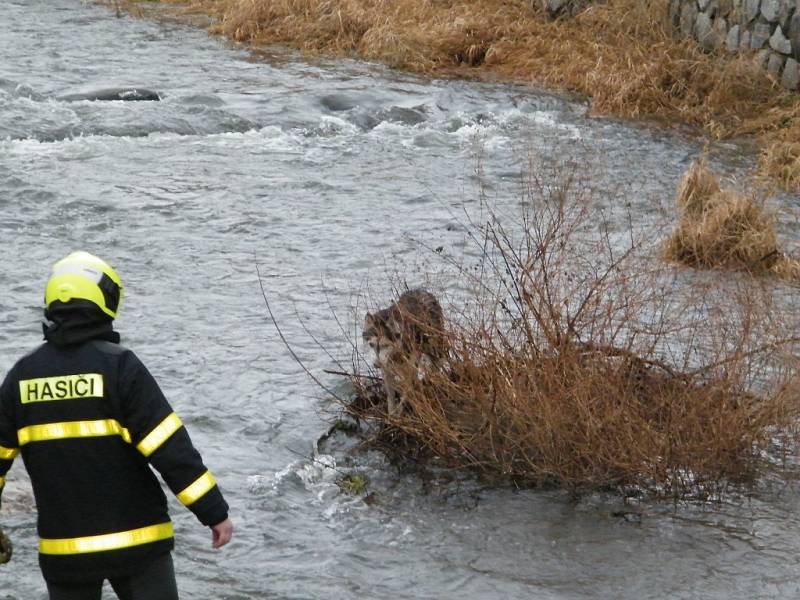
[(158, 434), (8, 432)]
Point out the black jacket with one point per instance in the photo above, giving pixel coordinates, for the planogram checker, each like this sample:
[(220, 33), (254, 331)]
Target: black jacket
[(89, 420)]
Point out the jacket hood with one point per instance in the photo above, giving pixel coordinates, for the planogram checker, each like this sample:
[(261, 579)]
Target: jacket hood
[(75, 322)]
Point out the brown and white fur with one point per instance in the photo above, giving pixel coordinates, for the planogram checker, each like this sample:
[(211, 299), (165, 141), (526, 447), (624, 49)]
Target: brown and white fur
[(410, 332)]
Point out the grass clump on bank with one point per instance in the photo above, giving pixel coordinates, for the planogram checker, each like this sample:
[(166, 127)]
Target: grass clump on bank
[(780, 157), (725, 228), (623, 54), (577, 361)]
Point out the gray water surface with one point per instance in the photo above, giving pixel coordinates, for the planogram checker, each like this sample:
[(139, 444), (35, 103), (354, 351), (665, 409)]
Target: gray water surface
[(326, 175)]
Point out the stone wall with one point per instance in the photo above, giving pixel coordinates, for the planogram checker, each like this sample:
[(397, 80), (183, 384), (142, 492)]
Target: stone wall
[(769, 28)]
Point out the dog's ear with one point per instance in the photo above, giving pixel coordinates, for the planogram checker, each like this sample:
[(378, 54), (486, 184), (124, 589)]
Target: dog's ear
[(368, 320)]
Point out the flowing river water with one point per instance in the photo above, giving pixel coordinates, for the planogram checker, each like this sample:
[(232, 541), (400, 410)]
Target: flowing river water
[(328, 176)]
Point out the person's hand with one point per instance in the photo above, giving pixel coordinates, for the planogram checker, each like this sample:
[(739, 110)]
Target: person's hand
[(221, 533), (5, 548)]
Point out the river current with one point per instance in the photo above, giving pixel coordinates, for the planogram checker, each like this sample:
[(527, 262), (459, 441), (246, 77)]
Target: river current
[(328, 176)]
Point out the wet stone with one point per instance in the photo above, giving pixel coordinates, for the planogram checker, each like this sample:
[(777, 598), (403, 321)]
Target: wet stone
[(787, 10), (762, 58), (751, 9), (688, 16), (760, 34), (732, 41), (779, 43), (794, 33), (744, 42), (675, 12), (702, 30), (720, 32), (791, 74), (775, 63), (556, 5), (771, 9)]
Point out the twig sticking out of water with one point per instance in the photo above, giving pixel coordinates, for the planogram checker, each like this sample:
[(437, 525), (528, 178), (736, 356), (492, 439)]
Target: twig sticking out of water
[(346, 374), (286, 343)]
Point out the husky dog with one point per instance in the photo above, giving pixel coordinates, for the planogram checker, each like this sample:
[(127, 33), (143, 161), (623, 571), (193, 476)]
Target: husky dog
[(409, 332)]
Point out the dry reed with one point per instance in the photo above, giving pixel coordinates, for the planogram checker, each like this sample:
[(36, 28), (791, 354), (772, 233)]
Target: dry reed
[(576, 364), (780, 158), (725, 228)]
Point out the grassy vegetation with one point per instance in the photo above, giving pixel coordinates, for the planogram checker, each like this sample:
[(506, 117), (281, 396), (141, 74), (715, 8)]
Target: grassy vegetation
[(725, 228), (578, 361), (623, 54), (354, 484)]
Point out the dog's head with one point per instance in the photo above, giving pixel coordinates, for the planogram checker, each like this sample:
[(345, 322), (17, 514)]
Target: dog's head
[(380, 337)]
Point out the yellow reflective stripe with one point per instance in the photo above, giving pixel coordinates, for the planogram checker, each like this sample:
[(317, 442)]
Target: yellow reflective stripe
[(153, 440), (198, 489), (8, 453), (109, 541), (71, 429)]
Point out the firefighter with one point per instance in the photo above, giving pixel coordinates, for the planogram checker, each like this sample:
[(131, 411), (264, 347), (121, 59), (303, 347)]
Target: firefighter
[(89, 420)]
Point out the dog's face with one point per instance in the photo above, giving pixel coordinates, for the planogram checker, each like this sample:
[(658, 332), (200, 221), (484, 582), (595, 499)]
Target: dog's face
[(379, 337)]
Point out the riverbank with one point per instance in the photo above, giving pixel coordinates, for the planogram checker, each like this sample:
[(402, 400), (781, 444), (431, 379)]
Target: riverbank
[(622, 54)]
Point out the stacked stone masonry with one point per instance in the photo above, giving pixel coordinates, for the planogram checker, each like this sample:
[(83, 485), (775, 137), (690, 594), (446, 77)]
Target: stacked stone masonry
[(770, 28)]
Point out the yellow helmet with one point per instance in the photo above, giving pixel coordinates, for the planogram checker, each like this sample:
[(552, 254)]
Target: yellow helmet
[(83, 276)]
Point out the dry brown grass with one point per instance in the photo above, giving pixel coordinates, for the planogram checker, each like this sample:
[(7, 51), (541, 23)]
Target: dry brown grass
[(621, 53), (725, 228), (721, 227), (578, 363), (581, 420), (780, 158)]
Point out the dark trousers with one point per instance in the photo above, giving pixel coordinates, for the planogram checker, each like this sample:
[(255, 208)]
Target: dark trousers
[(155, 582)]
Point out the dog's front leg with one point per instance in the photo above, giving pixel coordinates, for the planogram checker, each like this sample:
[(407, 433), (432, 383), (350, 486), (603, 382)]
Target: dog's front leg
[(391, 395)]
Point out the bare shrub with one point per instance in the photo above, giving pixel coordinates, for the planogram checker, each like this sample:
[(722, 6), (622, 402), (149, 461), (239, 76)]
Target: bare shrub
[(576, 359)]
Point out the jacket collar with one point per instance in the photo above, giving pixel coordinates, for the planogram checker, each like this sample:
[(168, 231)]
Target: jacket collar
[(75, 323)]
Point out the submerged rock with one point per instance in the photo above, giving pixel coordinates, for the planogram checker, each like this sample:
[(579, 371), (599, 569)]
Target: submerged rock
[(6, 549), (128, 94)]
